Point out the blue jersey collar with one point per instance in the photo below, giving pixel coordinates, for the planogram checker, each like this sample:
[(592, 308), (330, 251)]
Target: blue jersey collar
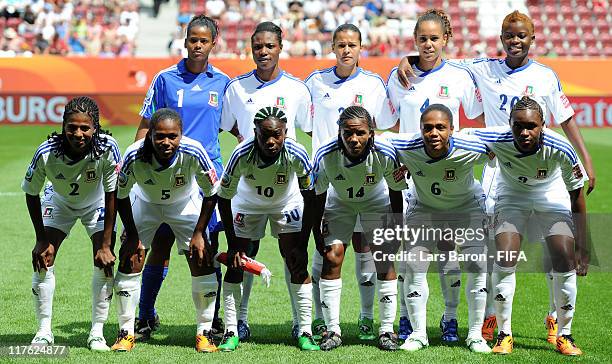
[(268, 83), (182, 68), (435, 69), (510, 71), (344, 79)]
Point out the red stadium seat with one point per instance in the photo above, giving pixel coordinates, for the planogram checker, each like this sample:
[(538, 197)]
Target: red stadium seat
[(576, 51), (593, 52), (608, 51)]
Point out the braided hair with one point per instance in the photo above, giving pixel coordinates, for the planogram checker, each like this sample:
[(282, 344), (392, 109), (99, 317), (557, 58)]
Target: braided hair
[(84, 105), (203, 21), (438, 16), (355, 112), (527, 103), (268, 26), (441, 108), (263, 114), (145, 153)]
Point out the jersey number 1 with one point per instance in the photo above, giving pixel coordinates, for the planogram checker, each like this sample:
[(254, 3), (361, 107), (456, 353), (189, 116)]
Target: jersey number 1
[(180, 93)]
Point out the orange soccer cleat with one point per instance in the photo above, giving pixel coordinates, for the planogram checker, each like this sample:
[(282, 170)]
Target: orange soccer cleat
[(566, 346), (125, 342), (488, 327), (552, 327), (205, 344), (504, 344)]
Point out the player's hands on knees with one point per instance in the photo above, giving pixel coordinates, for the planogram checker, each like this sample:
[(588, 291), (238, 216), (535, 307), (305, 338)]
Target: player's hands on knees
[(582, 262), (234, 259), (131, 253), (200, 251), (42, 255), (105, 259)]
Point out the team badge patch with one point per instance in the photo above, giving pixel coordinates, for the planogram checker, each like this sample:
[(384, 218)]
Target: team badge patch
[(305, 182), (48, 212), (542, 173), (90, 175), (443, 93), (370, 179), (358, 100), (226, 180), (212, 176), (239, 220), (213, 98), (280, 102), (281, 178), (528, 91), (29, 174), (179, 180), (577, 171), (449, 174)]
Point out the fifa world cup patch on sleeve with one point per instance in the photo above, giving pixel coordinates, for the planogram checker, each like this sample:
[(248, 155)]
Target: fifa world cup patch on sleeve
[(226, 180), (239, 220), (48, 212), (179, 180), (305, 182), (212, 176), (399, 173), (577, 171), (29, 174)]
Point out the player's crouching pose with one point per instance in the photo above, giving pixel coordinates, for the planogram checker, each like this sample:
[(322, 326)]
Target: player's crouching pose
[(445, 195), (262, 182), (532, 158), (81, 163), (357, 166), (168, 167)]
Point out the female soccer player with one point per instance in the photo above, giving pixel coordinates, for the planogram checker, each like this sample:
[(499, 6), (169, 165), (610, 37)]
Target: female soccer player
[(445, 196), (169, 168), (435, 81), (356, 166), (263, 180), (81, 164), (502, 83), (193, 88), (532, 158), (333, 89), (267, 85)]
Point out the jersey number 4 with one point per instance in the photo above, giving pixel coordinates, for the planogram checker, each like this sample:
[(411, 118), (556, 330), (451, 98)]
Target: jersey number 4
[(352, 194)]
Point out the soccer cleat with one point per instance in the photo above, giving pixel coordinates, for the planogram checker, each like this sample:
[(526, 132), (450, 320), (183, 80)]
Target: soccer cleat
[(218, 328), (97, 344), (504, 344), (230, 342), (330, 341), (488, 327), (306, 342), (124, 342), (143, 329), (43, 338), (449, 330), (205, 344), (552, 327), (567, 346), (366, 328), (318, 329), (387, 341), (244, 331), (405, 328), (414, 344), (478, 345)]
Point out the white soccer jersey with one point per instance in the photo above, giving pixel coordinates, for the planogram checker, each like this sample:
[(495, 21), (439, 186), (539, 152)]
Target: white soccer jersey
[(332, 94), (76, 183), (501, 87), (167, 185), (442, 183), (246, 94), (450, 84), (537, 172), (266, 188), (360, 182)]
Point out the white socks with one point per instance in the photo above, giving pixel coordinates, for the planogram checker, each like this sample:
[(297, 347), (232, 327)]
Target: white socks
[(450, 283), (247, 285), (416, 294), (476, 294), (504, 282), (365, 273), (127, 292), (204, 294), (330, 303), (43, 287), (317, 266), (232, 295), (101, 295), (301, 294), (387, 307), (565, 289)]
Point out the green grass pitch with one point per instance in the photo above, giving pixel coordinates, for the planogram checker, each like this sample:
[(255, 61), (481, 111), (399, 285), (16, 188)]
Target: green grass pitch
[(270, 316)]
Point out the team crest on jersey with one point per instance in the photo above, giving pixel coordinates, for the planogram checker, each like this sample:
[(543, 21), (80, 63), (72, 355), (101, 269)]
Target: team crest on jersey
[(528, 91), (577, 171), (239, 220), (280, 102), (29, 174), (542, 173), (358, 100), (90, 175), (449, 174), (213, 98), (225, 180), (305, 182), (212, 176), (48, 212), (281, 178), (179, 180), (443, 93), (370, 179)]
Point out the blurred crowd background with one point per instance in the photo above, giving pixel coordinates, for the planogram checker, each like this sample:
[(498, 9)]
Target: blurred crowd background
[(156, 28)]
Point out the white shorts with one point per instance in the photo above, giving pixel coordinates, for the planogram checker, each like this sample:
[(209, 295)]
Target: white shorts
[(182, 217), (57, 214), (252, 225), (341, 219)]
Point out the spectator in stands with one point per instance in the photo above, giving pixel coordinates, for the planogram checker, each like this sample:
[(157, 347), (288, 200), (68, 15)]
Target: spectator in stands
[(58, 46), (76, 44), (41, 45)]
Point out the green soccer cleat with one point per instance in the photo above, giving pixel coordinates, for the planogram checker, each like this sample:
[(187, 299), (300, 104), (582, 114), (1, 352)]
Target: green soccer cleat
[(307, 343), (366, 328), (229, 343), (318, 329)]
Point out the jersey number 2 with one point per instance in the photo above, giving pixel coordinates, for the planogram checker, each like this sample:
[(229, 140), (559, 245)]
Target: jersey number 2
[(75, 189), (504, 100)]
